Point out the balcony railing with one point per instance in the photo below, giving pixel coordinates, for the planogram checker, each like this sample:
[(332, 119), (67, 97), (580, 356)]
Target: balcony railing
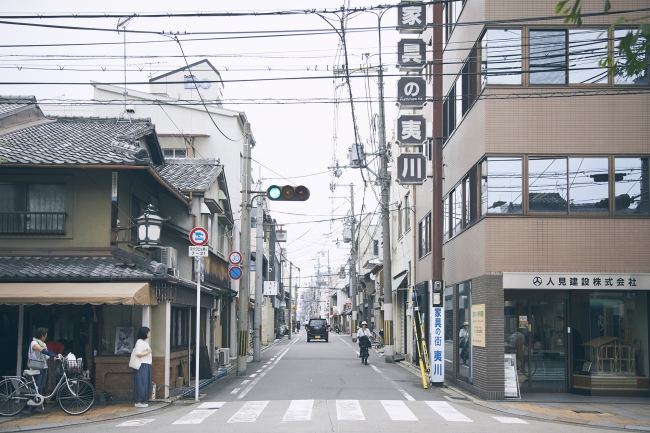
[(32, 223)]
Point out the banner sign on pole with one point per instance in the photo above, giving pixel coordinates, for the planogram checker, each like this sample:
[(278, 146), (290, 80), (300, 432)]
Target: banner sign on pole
[(411, 18), (437, 346)]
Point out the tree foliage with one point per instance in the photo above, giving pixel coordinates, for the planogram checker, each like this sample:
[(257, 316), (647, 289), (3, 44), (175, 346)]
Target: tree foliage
[(631, 56)]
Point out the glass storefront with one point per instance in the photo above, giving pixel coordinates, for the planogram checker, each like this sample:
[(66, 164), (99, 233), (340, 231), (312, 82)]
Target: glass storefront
[(586, 341), (464, 322)]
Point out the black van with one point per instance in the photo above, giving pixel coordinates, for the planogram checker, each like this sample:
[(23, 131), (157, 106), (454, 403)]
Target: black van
[(318, 329)]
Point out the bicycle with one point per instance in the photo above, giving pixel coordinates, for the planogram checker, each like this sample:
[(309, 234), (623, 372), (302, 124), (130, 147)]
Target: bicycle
[(73, 394), (377, 340)]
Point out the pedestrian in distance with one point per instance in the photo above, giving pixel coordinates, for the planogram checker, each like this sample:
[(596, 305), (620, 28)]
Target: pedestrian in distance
[(141, 358)]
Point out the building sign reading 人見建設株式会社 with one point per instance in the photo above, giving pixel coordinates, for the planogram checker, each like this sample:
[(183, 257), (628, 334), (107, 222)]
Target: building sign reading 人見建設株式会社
[(575, 281)]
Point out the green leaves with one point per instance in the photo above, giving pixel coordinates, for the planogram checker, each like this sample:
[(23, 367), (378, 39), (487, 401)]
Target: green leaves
[(633, 48)]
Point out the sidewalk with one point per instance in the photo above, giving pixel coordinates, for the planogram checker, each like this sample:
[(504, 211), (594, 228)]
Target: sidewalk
[(625, 413), (53, 416)]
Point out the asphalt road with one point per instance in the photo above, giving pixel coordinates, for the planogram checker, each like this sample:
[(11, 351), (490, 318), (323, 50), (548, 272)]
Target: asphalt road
[(323, 387)]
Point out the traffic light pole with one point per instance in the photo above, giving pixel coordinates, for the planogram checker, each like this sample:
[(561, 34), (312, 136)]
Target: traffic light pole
[(387, 273), (288, 309), (259, 280), (353, 269), (245, 247)]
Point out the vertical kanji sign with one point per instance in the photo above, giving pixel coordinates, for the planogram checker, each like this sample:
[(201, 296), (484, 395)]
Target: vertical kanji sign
[(411, 18), (437, 345)]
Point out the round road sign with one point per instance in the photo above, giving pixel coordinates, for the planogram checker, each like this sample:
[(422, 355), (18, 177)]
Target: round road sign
[(235, 272), (235, 257), (199, 236)]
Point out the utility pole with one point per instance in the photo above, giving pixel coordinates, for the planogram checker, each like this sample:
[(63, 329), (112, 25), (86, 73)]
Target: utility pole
[(245, 247), (384, 177), (259, 279), (288, 309), (353, 269)]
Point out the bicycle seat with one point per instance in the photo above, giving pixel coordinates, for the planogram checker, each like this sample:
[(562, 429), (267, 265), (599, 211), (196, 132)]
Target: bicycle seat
[(31, 372)]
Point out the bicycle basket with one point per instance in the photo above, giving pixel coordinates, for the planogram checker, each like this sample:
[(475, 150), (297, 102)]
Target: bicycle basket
[(73, 366)]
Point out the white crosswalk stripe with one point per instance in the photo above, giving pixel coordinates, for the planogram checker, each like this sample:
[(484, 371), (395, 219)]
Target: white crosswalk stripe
[(249, 411), (349, 410), (196, 416), (346, 410), (397, 410), (299, 410), (135, 423), (447, 411), (508, 420)]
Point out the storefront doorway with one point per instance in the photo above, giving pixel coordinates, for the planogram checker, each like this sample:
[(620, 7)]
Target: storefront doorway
[(536, 333)]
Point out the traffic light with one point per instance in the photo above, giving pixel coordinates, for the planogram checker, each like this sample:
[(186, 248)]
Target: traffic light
[(287, 193)]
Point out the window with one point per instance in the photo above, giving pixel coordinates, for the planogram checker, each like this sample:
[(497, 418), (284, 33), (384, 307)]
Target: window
[(449, 113), (501, 56), (449, 328), (619, 61), (399, 221), (467, 204), (375, 247), (548, 56), (407, 213), (450, 14), (119, 325), (547, 184), (221, 238), (457, 210), (465, 331), (424, 230), (179, 328), (501, 185), (175, 153), (445, 218), (589, 185), (631, 187), (32, 208), (586, 49)]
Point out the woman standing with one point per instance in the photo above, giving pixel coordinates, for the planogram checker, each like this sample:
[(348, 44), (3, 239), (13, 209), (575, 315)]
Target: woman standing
[(142, 376), (39, 352)]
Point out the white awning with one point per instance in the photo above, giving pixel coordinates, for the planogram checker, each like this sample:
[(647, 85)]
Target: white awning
[(139, 293)]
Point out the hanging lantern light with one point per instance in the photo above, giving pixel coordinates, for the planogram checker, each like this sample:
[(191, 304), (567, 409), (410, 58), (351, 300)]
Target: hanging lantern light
[(149, 226)]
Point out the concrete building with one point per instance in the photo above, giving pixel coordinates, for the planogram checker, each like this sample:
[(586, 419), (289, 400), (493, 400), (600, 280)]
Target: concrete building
[(546, 214)]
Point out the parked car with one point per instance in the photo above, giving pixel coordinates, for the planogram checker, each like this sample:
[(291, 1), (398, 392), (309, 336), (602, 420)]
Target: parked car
[(318, 329)]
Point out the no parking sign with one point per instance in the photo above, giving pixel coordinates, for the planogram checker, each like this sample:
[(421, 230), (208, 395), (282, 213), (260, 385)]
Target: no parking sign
[(199, 236)]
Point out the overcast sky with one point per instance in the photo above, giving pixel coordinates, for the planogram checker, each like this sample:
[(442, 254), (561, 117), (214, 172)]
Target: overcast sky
[(292, 140)]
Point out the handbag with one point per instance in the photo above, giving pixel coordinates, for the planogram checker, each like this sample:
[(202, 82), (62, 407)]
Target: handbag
[(135, 361), (35, 360)]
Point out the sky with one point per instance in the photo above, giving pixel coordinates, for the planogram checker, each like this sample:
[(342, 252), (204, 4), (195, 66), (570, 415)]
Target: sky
[(296, 143)]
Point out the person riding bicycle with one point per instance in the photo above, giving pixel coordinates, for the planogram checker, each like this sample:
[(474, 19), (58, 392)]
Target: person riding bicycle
[(364, 337)]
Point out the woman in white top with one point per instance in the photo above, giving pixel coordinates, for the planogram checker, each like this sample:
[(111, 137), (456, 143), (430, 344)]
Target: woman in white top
[(142, 376)]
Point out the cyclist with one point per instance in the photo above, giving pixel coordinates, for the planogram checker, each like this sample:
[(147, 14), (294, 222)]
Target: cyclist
[(364, 337), (39, 353)]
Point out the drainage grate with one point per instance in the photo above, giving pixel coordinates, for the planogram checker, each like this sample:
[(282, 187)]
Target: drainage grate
[(455, 397), (402, 381), (587, 411)]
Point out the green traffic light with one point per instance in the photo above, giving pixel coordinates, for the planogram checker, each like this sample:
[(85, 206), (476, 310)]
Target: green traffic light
[(274, 192)]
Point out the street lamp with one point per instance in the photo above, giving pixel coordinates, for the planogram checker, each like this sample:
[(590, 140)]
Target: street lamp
[(149, 225)]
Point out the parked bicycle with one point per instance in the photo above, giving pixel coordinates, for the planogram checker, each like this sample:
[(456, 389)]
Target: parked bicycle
[(74, 394), (377, 340)]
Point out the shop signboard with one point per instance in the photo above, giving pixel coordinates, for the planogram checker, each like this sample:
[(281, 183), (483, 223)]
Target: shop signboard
[(478, 325), (575, 281), (437, 330)]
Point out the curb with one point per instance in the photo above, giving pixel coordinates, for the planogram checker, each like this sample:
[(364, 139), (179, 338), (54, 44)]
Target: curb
[(75, 421), (497, 407)]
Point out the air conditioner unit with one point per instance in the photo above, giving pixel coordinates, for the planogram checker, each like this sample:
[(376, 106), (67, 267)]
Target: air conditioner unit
[(223, 356), (169, 258)]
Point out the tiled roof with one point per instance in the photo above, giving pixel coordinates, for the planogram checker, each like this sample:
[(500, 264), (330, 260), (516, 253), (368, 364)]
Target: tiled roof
[(76, 141), (68, 267), (12, 104), (188, 174)]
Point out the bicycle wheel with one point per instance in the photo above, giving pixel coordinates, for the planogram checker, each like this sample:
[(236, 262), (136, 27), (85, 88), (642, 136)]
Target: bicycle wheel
[(12, 396), (78, 398)]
